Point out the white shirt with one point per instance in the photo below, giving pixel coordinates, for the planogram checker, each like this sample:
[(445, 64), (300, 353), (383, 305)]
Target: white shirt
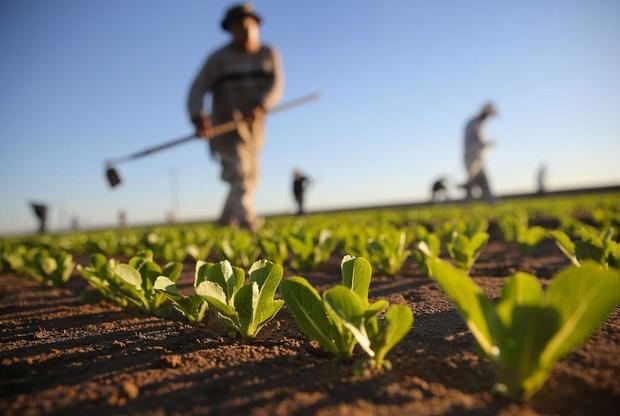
[(475, 146)]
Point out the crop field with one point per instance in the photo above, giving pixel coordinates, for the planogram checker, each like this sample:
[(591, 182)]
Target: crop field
[(451, 309)]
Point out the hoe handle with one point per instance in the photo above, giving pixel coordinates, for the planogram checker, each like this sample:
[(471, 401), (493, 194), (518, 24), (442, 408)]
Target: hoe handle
[(229, 126), (155, 149), (216, 130)]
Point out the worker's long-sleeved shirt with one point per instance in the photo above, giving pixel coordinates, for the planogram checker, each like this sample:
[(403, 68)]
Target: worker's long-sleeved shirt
[(475, 145), (299, 185), (238, 80)]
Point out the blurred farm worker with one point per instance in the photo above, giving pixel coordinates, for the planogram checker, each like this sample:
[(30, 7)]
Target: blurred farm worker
[(40, 211), (122, 219), (245, 80), (541, 179), (439, 190), (475, 147), (300, 182)]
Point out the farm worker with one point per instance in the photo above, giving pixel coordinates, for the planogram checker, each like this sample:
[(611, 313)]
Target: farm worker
[(245, 80), (439, 190), (40, 211), (541, 179), (475, 147), (300, 183)]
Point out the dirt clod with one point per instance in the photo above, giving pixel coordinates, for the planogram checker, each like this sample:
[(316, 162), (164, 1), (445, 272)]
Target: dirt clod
[(131, 390), (173, 361)]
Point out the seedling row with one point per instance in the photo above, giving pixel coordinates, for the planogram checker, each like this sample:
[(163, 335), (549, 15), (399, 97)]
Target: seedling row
[(239, 277)]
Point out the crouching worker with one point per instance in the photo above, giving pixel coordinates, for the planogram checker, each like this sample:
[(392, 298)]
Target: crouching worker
[(439, 190), (245, 80)]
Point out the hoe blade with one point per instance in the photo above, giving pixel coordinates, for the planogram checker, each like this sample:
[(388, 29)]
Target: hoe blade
[(112, 176)]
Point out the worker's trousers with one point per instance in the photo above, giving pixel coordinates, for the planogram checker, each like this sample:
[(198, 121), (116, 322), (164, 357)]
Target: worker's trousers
[(481, 182), (239, 155)]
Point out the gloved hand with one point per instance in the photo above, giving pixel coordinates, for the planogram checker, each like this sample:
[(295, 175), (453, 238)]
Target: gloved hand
[(203, 126), (256, 112)]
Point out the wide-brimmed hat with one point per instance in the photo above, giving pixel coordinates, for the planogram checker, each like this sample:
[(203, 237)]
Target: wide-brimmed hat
[(239, 12)]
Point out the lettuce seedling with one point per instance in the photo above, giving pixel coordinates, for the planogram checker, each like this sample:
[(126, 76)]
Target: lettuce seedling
[(606, 217), (192, 307), (509, 225), (594, 246), (432, 245), (344, 317), (103, 243), (240, 248), (467, 227), (273, 248), (132, 283), (310, 252), (465, 250), (530, 237), (15, 258), (347, 311), (528, 330), (385, 334), (355, 242), (310, 311), (244, 309), (199, 251), (166, 244), (388, 252), (516, 228), (51, 269)]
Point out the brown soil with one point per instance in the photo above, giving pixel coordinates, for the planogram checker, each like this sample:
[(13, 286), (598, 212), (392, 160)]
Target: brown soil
[(64, 356)]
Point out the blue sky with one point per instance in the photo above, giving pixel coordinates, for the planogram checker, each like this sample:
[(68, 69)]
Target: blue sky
[(83, 81)]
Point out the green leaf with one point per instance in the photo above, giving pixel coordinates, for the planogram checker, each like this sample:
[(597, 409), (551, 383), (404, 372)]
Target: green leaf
[(526, 325), (433, 243), (49, 265), (376, 308), (565, 244), (356, 273), (97, 260), (347, 309), (522, 289), (225, 276), (200, 274), (267, 275), (584, 297), (268, 313), (477, 242), (193, 251), (67, 267), (173, 270), (590, 250), (238, 279), (246, 303), (425, 249), (215, 295), (305, 304), (129, 275), (464, 251), (475, 308), (397, 323), (167, 287), (219, 274), (200, 306), (149, 270)]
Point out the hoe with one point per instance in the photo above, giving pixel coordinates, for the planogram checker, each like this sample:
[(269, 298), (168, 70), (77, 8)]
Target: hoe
[(114, 178)]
